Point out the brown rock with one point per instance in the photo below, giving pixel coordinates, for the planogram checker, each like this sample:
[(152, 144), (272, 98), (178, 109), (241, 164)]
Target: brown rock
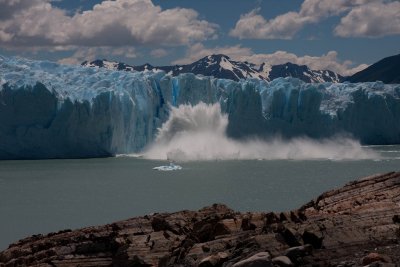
[(214, 260), (372, 257), (312, 238), (296, 253), (262, 259), (282, 261)]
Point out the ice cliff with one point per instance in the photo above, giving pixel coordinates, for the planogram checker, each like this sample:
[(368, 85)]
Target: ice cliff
[(49, 110)]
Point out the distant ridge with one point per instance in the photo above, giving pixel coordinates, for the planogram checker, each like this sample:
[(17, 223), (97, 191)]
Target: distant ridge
[(221, 66), (386, 70)]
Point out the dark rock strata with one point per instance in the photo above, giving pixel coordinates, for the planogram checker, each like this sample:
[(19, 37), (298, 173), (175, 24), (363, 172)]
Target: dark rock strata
[(356, 225)]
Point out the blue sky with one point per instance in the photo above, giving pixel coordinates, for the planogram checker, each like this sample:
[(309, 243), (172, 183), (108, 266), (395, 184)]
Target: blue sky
[(342, 35)]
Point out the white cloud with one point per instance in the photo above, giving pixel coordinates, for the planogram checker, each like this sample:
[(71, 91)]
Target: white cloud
[(10, 7), (373, 20), (320, 9), (158, 53), (253, 26), (328, 61), (110, 23)]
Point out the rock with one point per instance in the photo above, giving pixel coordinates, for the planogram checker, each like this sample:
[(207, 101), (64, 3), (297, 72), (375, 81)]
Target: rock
[(315, 240), (372, 257), (346, 264), (282, 261), (159, 224), (205, 232), (271, 218), (288, 236), (262, 259), (247, 224), (214, 260), (222, 228), (382, 264), (298, 252)]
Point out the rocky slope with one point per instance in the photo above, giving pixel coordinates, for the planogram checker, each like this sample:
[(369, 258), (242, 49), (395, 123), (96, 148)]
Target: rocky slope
[(356, 225), (386, 70)]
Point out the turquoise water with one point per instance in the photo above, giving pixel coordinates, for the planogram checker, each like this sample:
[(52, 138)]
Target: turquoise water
[(49, 195)]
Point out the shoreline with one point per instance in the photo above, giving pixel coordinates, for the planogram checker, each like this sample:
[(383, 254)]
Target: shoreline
[(340, 227)]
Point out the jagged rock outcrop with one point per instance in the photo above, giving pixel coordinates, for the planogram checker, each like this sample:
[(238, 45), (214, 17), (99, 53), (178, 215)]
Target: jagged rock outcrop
[(355, 225)]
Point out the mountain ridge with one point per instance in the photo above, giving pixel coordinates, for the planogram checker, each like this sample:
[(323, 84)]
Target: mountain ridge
[(223, 67), (386, 70)]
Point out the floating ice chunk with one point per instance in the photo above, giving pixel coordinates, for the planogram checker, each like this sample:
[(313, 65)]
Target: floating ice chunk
[(170, 167)]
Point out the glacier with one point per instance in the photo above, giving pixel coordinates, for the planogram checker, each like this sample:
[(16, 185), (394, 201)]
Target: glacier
[(49, 110)]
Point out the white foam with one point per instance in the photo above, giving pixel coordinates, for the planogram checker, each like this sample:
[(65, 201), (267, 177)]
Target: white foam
[(199, 133)]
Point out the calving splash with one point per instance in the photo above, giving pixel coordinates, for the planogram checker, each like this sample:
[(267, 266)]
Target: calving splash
[(199, 133)]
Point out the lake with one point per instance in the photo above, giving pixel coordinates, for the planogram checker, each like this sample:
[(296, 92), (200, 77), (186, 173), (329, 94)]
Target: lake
[(42, 196)]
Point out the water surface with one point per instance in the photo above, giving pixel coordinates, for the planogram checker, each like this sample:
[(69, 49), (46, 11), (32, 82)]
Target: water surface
[(48, 195)]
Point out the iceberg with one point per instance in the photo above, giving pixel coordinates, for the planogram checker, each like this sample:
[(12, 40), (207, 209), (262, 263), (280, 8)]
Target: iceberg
[(170, 167), (49, 110)]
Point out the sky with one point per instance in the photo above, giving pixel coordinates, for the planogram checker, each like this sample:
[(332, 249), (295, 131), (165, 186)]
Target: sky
[(344, 36)]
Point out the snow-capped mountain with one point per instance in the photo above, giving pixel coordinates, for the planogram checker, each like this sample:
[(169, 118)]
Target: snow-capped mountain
[(111, 65), (221, 66), (304, 73)]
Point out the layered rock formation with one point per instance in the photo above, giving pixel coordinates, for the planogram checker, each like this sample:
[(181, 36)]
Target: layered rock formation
[(356, 225)]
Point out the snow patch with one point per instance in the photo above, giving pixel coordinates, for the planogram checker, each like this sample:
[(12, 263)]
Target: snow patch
[(225, 64)]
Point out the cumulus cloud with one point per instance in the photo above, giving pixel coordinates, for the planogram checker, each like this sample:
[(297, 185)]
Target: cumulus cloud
[(373, 20), (254, 26), (110, 23), (10, 7), (375, 14), (328, 61)]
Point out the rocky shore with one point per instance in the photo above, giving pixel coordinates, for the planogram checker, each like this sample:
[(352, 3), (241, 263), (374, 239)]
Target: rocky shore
[(356, 225)]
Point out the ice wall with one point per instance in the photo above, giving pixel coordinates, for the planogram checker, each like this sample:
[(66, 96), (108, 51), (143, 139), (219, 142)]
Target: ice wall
[(49, 110), (369, 112)]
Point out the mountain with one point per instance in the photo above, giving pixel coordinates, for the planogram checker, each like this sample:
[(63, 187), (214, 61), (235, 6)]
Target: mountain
[(103, 63), (221, 66), (304, 73), (386, 70)]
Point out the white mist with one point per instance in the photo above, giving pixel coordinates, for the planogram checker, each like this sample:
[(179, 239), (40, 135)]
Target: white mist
[(199, 133)]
